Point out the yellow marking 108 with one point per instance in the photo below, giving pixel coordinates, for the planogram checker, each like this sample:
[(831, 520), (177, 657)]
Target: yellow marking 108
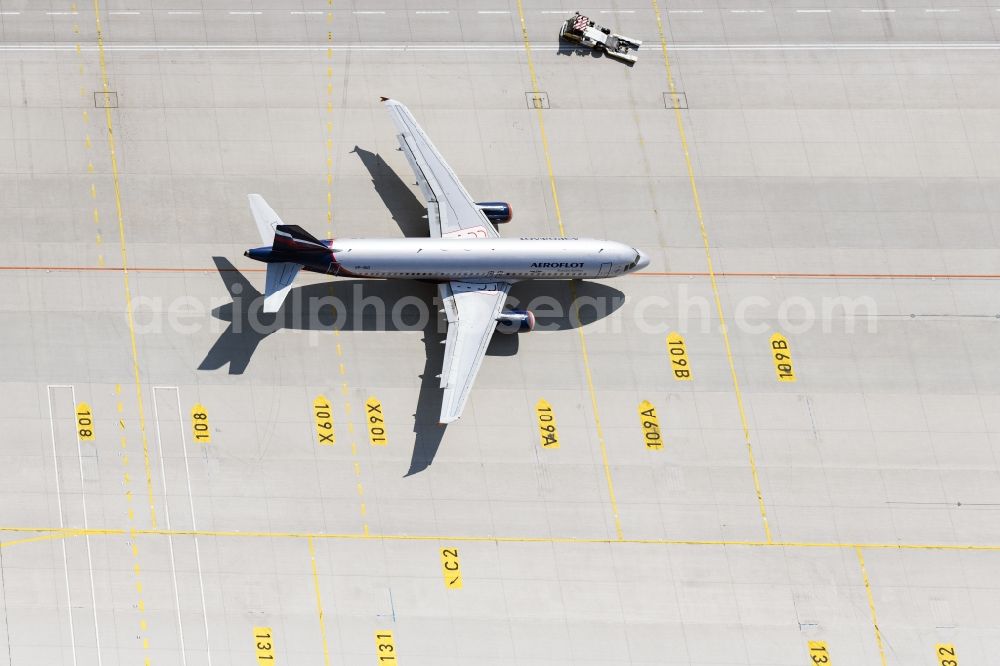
[(946, 655), (782, 357), (547, 425), (199, 424), (650, 425), (818, 652), (323, 417), (265, 650), (376, 422), (679, 363), (449, 564), (84, 422), (386, 646)]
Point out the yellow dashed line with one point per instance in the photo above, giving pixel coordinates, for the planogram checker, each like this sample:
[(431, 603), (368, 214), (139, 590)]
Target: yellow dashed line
[(562, 232), (871, 604), (711, 271)]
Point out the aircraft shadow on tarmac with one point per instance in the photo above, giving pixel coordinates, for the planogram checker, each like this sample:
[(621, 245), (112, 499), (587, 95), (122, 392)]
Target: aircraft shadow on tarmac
[(386, 306)]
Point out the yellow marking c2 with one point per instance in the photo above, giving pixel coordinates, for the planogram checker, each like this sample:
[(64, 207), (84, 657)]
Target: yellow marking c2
[(451, 569)]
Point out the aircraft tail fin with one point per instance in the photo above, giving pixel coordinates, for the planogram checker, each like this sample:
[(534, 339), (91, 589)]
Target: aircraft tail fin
[(265, 217)]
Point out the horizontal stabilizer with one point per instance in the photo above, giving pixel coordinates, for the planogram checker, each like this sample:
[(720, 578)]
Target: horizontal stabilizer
[(264, 216), (279, 282)]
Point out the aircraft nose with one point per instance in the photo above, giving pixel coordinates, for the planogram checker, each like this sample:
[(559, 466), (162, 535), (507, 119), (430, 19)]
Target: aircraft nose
[(643, 260)]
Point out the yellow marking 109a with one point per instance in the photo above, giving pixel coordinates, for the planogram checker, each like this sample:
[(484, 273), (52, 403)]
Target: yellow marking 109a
[(323, 417), (782, 357), (199, 424), (376, 422), (452, 574), (84, 422), (818, 652), (265, 649), (386, 646), (547, 425), (679, 363), (650, 425), (946, 655)]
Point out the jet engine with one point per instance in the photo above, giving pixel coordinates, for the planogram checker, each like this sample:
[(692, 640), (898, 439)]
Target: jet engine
[(516, 321), (498, 212)]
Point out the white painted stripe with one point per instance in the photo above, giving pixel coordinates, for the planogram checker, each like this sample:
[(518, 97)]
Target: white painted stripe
[(166, 511), (10, 13), (86, 526), (513, 47), (62, 522), (62, 13), (250, 13), (300, 13)]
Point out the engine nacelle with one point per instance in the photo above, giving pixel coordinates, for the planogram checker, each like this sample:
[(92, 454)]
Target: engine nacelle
[(498, 212), (516, 321)]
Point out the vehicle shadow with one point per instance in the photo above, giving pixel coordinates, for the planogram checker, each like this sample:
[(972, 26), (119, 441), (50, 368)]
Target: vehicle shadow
[(406, 209), (567, 48), (386, 306)]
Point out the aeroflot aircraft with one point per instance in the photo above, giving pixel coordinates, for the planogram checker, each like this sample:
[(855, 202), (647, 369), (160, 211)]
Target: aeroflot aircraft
[(473, 266)]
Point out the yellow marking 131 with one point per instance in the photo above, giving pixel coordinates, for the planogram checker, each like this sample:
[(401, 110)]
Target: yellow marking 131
[(449, 564), (946, 655), (265, 649), (782, 357), (323, 417), (679, 363), (199, 424), (547, 425), (386, 646), (818, 652), (84, 422), (650, 425), (376, 422)]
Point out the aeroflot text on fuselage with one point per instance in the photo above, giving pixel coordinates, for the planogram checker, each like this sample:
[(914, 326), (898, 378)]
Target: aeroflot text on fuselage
[(563, 264)]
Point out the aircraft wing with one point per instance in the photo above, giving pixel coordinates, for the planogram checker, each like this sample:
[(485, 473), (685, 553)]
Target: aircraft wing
[(472, 309), (451, 212)]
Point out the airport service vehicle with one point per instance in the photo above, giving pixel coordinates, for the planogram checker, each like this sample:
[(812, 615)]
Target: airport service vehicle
[(582, 30), (473, 267)]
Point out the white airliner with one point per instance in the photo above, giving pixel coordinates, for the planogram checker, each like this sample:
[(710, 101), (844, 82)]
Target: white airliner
[(473, 267)]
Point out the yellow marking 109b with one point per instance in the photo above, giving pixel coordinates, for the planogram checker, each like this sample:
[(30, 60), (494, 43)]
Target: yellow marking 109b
[(782, 357), (679, 363), (376, 422), (199, 424), (386, 646), (818, 652), (650, 425), (452, 574), (547, 425), (84, 422), (323, 416), (265, 650), (946, 655)]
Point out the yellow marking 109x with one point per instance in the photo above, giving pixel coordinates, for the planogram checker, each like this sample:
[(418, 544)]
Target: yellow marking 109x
[(650, 425), (265, 650), (84, 422), (199, 424), (946, 655), (547, 425), (323, 417), (782, 357), (376, 422), (818, 652), (679, 363), (386, 647), (452, 574)]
